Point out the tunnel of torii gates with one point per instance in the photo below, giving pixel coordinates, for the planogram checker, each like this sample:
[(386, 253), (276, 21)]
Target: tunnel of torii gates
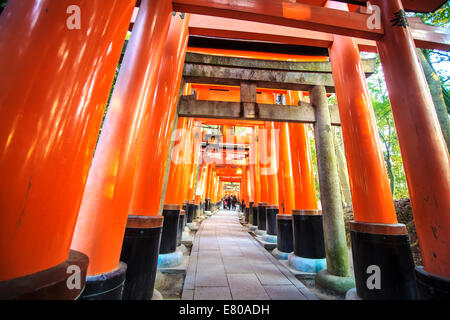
[(102, 221)]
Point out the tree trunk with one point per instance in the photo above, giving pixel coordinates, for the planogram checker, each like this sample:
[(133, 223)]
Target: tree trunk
[(342, 170), (438, 98), (390, 173)]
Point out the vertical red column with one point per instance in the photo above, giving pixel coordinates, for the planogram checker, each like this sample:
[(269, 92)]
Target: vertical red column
[(371, 194), (273, 157), (54, 85), (302, 169), (175, 173), (286, 169), (263, 163), (155, 149), (104, 209), (425, 156), (195, 158)]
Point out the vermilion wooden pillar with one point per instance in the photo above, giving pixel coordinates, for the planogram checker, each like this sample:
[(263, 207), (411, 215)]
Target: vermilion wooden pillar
[(155, 150), (263, 163), (185, 164), (280, 173), (195, 152), (286, 169), (104, 209), (254, 160), (139, 250), (424, 153), (175, 175), (371, 195), (54, 85), (300, 157), (273, 158)]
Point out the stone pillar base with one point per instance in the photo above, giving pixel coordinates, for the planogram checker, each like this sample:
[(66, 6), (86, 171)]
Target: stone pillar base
[(49, 284), (157, 295), (170, 260), (182, 248), (334, 285), (259, 232), (106, 286), (251, 228), (193, 226), (269, 238), (186, 236), (159, 280), (352, 295), (306, 264), (432, 287), (280, 254)]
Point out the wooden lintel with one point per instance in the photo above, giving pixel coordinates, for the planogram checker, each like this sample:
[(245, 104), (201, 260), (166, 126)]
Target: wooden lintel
[(310, 66), (273, 79), (191, 108)]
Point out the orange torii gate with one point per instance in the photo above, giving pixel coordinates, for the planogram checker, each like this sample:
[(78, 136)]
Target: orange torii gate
[(49, 130)]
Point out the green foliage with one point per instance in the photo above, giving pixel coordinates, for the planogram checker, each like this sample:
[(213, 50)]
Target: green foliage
[(387, 134), (3, 5)]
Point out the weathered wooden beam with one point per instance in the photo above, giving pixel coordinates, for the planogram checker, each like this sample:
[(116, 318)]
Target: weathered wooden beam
[(310, 66), (273, 79), (191, 108)]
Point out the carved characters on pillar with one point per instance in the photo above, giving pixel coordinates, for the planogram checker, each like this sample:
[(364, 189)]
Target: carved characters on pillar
[(400, 19)]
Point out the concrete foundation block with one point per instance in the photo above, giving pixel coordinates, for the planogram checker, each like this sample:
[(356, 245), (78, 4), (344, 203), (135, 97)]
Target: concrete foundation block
[(269, 238), (352, 295), (280, 255), (259, 232), (306, 264), (157, 295), (170, 260)]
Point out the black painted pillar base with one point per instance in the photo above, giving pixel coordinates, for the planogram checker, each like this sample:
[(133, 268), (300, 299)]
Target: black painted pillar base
[(106, 286), (432, 287), (49, 284), (185, 205), (262, 216), (255, 215), (246, 214), (271, 220), (140, 253), (202, 208), (196, 211), (250, 213), (171, 214), (382, 261), (285, 237), (308, 234), (181, 224), (207, 204), (190, 213)]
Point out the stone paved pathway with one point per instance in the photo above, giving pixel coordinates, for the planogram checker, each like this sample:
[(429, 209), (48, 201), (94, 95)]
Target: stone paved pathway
[(227, 263)]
